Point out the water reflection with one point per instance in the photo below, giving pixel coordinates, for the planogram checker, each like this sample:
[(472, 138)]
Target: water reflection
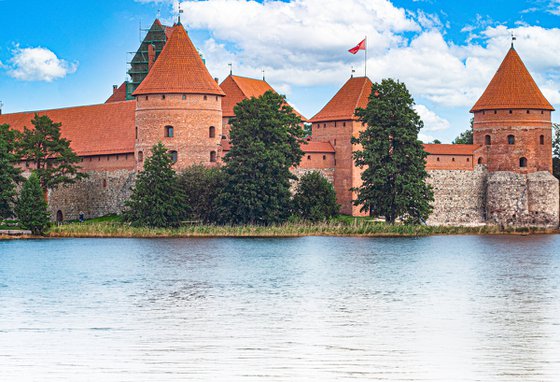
[(438, 309)]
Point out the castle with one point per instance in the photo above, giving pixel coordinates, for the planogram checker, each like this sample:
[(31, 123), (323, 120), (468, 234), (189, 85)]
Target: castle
[(504, 178)]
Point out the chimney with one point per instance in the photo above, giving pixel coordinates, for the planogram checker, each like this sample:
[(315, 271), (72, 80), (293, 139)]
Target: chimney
[(151, 56), (115, 87)]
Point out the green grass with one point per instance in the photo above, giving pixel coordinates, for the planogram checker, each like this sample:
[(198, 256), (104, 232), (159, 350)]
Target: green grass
[(112, 226)]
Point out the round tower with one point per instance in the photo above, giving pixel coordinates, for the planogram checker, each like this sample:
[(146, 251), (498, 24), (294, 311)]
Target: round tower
[(180, 105), (512, 121)]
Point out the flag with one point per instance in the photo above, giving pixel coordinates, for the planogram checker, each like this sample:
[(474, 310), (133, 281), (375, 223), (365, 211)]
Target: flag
[(357, 48)]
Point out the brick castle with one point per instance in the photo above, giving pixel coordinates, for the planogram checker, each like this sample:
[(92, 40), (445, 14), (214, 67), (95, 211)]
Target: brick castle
[(503, 178)]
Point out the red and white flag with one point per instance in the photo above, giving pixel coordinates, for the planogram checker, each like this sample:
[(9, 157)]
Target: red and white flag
[(357, 48)]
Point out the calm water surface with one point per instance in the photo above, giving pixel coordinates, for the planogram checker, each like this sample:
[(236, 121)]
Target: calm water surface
[(305, 309)]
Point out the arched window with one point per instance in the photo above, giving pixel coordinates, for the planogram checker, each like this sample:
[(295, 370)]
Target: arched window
[(324, 157), (487, 140), (541, 139), (522, 162), (104, 183), (169, 131), (136, 132), (309, 157), (163, 96), (452, 159), (212, 132), (468, 159), (437, 159), (511, 140), (59, 216), (480, 160), (224, 137), (140, 156), (205, 97), (212, 156), (174, 156)]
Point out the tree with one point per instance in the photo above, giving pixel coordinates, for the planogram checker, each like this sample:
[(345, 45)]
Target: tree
[(315, 198), (156, 200), (391, 156), (556, 149), (266, 135), (436, 142), (466, 137), (10, 175), (31, 207), (49, 153), (202, 187)]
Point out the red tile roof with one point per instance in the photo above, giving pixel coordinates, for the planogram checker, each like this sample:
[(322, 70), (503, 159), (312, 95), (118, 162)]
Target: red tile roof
[(446, 149), (342, 106), (512, 87), (239, 88), (118, 95), (179, 69), (93, 130), (310, 147)]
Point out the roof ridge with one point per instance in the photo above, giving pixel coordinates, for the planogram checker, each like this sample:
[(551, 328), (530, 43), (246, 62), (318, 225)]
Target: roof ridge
[(67, 107)]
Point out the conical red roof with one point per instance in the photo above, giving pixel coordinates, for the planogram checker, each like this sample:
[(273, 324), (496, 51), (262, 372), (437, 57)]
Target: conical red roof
[(512, 87), (179, 69), (354, 94)]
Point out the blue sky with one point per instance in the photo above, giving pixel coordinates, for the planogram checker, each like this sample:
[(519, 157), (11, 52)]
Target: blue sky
[(60, 53)]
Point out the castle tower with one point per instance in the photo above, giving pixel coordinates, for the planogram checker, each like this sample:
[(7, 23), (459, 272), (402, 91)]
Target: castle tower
[(179, 104), (336, 123), (512, 121)]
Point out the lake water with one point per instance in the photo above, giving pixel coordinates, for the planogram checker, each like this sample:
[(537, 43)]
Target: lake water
[(462, 308)]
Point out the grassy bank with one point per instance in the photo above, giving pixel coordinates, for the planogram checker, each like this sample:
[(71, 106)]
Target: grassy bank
[(344, 226)]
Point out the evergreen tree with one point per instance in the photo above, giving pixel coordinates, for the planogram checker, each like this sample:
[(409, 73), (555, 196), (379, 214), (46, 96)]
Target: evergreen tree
[(31, 207), (266, 137), (10, 175), (49, 153), (391, 156), (202, 187), (436, 142), (466, 137), (157, 200), (315, 198)]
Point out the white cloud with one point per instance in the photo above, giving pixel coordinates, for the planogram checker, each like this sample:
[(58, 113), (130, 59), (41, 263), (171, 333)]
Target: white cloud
[(38, 64), (432, 121)]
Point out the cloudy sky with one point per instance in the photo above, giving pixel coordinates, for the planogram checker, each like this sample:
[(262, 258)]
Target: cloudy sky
[(59, 53)]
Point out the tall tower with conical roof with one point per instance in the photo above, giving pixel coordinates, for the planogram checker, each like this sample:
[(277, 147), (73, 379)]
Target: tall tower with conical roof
[(180, 105), (512, 121)]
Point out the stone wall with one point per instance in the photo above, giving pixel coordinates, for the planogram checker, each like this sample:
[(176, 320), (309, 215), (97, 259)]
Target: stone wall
[(525, 200), (101, 193), (459, 197)]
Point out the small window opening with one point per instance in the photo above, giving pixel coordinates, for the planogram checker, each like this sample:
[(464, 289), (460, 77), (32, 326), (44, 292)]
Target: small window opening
[(169, 131), (541, 139), (140, 156), (488, 140), (335, 124), (343, 124), (495, 111), (468, 159), (136, 132), (309, 157), (324, 157), (522, 162), (479, 160), (528, 111), (511, 111), (212, 156), (146, 98), (205, 98), (174, 156), (212, 132), (163, 96), (104, 183), (324, 125), (184, 97), (452, 159), (438, 159), (511, 139)]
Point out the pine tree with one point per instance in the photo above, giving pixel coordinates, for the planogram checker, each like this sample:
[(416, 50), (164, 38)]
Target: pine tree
[(157, 200), (44, 148), (391, 156), (31, 207), (10, 175), (466, 137), (266, 137), (315, 198)]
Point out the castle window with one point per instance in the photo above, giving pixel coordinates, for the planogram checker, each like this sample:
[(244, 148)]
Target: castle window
[(184, 97), (205, 98), (484, 112), (495, 111), (438, 159), (324, 157), (324, 125), (212, 132), (542, 111), (163, 96), (479, 160), (140, 156), (487, 140), (146, 98), (528, 111), (468, 159), (174, 156), (136, 132), (541, 139), (212, 156), (522, 162), (511, 111), (343, 124), (452, 159), (104, 183), (309, 157), (169, 131), (335, 124), (216, 98), (117, 157), (511, 140), (224, 137)]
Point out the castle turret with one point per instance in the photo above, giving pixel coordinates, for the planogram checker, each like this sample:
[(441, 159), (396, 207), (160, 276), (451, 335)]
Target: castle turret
[(179, 104), (512, 121)]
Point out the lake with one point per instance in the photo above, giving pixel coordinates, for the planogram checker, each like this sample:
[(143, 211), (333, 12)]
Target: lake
[(455, 308)]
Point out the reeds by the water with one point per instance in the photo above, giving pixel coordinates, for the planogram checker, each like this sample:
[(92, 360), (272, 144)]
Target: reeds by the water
[(337, 227)]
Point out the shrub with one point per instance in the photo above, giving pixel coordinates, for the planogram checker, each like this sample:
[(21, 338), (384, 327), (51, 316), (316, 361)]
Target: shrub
[(31, 208), (315, 198)]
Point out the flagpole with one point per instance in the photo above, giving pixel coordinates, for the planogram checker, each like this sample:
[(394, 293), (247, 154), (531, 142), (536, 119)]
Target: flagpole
[(365, 59)]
